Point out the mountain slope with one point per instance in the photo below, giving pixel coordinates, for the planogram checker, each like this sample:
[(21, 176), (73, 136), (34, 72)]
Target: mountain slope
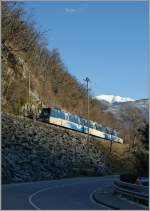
[(112, 99), (131, 115), (119, 108), (34, 76)]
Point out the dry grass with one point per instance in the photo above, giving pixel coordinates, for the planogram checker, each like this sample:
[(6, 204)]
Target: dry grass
[(119, 160)]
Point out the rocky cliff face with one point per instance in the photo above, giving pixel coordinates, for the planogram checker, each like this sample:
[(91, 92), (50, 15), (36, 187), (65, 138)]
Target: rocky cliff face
[(34, 151)]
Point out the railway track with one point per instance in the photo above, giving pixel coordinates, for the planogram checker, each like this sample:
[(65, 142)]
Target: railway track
[(68, 130)]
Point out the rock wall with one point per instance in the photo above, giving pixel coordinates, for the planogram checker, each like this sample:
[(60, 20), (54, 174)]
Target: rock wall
[(33, 151)]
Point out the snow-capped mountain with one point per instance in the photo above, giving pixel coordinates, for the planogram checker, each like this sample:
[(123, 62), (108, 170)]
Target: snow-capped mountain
[(113, 99), (121, 106)]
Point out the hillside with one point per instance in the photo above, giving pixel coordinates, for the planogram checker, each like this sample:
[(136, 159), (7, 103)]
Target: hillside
[(119, 108), (132, 115), (33, 76)]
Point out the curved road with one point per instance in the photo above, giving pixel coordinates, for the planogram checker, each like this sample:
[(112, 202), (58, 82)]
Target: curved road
[(74, 193)]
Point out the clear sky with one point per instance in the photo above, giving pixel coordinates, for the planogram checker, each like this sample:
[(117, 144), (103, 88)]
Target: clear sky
[(105, 41)]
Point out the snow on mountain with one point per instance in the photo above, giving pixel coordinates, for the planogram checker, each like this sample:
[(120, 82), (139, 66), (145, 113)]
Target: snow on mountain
[(121, 107), (113, 99)]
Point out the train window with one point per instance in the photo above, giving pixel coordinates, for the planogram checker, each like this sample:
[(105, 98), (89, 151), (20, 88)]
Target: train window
[(90, 124), (70, 118), (76, 120), (113, 133), (85, 122), (58, 114), (103, 129), (79, 120), (45, 112), (66, 116), (98, 127), (53, 112), (106, 130), (62, 115), (82, 121), (73, 118)]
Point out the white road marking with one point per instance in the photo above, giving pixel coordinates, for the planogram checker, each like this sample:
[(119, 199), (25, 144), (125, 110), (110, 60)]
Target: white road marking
[(30, 199), (94, 202)]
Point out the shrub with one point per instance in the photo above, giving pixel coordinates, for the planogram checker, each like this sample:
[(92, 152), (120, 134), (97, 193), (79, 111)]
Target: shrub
[(130, 178)]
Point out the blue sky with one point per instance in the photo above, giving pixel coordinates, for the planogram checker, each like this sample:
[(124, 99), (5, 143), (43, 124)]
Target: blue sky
[(106, 41)]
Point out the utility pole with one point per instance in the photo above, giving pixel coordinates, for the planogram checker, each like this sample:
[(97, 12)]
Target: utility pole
[(87, 80), (110, 149), (133, 143), (29, 88), (111, 141)]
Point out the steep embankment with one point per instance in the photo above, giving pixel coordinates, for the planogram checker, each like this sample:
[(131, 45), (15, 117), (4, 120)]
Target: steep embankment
[(34, 151)]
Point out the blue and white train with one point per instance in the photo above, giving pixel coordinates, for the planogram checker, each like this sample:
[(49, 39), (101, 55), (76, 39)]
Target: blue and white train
[(68, 120)]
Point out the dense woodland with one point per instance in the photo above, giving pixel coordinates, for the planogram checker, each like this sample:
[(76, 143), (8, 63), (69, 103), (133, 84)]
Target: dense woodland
[(25, 54)]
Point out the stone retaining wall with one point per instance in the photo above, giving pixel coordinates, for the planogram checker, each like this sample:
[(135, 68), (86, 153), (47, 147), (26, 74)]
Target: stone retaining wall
[(33, 151)]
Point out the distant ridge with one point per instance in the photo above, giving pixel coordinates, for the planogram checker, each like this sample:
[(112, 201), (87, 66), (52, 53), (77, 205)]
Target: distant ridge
[(112, 98)]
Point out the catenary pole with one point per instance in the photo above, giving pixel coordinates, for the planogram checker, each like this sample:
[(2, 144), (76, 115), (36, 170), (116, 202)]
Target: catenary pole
[(29, 87), (87, 80)]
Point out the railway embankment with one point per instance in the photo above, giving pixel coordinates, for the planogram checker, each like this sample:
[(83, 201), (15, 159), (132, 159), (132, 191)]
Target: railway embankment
[(33, 151)]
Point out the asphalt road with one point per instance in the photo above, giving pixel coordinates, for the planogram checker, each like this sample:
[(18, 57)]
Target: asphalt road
[(61, 194)]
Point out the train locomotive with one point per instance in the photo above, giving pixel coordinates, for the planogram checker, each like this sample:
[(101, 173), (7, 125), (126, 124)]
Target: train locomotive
[(74, 122)]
